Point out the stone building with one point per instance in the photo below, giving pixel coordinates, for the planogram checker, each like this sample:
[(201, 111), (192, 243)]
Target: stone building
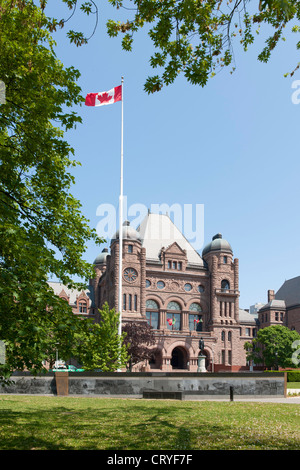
[(182, 295), (82, 302), (283, 308)]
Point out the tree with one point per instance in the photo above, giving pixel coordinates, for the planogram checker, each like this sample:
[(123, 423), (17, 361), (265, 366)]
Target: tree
[(42, 231), (193, 37), (100, 346), (139, 339), (273, 347)]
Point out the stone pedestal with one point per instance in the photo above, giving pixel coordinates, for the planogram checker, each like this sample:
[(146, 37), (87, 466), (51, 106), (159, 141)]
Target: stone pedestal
[(201, 364)]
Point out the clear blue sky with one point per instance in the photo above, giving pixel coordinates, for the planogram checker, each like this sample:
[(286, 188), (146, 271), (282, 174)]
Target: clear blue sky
[(232, 146)]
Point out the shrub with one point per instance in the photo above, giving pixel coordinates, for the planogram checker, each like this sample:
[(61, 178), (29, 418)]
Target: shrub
[(293, 376)]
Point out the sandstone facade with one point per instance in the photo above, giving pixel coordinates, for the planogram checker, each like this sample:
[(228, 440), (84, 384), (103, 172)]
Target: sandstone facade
[(283, 307), (184, 296)]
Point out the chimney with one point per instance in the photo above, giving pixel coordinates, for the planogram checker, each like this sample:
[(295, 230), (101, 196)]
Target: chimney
[(271, 295)]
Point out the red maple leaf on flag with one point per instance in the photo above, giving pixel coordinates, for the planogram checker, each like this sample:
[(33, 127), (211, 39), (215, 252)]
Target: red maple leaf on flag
[(104, 97)]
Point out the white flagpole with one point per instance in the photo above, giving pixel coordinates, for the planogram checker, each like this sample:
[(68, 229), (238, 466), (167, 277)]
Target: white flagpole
[(121, 227)]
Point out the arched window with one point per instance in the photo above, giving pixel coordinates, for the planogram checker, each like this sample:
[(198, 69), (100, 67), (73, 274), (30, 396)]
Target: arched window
[(173, 316), (229, 336), (223, 336), (225, 285), (195, 318), (152, 313), (194, 307), (173, 306), (152, 304)]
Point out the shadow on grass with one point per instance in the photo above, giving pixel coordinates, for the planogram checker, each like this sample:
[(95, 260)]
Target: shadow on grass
[(108, 425), (65, 428)]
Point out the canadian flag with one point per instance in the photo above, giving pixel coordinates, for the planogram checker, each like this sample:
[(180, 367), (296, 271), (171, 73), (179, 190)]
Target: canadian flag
[(104, 97)]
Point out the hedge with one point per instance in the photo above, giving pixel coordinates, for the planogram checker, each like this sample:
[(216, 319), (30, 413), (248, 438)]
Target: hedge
[(293, 375)]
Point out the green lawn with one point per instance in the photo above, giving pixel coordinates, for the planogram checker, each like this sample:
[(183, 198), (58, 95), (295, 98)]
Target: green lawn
[(293, 385), (68, 423)]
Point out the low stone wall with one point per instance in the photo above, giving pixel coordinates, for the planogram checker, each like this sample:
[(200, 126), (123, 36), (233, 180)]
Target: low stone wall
[(27, 384), (191, 385)]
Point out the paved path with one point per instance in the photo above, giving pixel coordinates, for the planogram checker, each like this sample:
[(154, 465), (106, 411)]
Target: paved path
[(256, 399), (288, 400), (295, 400)]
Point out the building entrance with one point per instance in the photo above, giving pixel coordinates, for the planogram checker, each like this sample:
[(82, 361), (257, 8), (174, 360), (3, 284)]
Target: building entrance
[(179, 358)]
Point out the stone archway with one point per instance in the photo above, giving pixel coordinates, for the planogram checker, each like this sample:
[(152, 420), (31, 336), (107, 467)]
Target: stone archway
[(179, 358)]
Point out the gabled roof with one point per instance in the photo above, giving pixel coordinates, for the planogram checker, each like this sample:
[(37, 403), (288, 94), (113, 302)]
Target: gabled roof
[(174, 248), (62, 290), (289, 291), (158, 231)]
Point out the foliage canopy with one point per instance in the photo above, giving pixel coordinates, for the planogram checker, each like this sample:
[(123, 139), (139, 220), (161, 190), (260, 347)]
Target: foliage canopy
[(101, 345), (273, 347), (42, 231), (139, 339), (195, 38)]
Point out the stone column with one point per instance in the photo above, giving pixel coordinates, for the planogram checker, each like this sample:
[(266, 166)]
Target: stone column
[(163, 320), (214, 285), (185, 320)]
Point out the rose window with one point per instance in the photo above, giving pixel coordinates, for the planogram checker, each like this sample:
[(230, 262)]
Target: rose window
[(130, 274)]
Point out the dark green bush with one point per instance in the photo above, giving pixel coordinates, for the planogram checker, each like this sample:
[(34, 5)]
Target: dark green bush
[(293, 376)]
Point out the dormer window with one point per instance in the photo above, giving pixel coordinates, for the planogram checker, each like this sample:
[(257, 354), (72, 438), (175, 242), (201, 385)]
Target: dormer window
[(82, 306)]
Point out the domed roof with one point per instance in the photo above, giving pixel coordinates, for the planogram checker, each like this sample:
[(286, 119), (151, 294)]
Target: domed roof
[(101, 258), (217, 244), (129, 233)]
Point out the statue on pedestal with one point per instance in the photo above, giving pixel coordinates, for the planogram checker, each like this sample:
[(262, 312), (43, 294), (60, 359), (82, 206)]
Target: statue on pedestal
[(201, 357)]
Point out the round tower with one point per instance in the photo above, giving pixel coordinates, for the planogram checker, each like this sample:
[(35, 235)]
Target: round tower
[(100, 264), (133, 267), (224, 273)]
